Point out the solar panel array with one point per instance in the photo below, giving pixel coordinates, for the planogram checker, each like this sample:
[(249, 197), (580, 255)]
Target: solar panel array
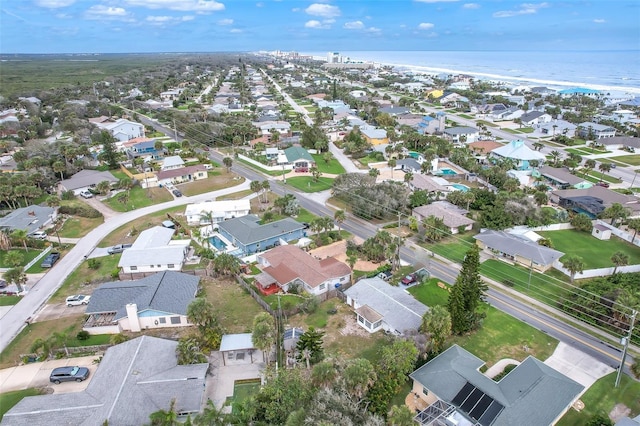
[(477, 404)]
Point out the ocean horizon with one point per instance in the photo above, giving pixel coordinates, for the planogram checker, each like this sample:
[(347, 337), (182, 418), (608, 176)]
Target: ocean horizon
[(608, 71)]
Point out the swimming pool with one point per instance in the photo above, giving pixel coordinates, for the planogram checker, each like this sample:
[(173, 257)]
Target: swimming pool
[(218, 243), (460, 187), (414, 154), (447, 172)]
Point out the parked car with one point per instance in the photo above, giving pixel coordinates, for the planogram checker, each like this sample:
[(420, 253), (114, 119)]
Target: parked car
[(118, 248), (602, 184), (50, 260), (3, 284), (409, 279), (385, 275), (177, 193), (68, 374), (77, 300), (38, 235), (86, 194)]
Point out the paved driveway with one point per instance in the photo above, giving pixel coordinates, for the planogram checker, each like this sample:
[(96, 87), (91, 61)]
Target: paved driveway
[(577, 365)]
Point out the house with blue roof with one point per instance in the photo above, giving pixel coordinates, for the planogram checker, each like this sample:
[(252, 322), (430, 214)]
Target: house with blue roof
[(579, 91), (430, 125), (144, 149), (157, 301), (250, 236)]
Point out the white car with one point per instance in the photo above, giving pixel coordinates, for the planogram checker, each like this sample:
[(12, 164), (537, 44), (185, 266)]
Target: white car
[(77, 300)]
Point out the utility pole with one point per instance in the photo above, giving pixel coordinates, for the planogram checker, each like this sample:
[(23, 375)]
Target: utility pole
[(625, 341), (530, 272)]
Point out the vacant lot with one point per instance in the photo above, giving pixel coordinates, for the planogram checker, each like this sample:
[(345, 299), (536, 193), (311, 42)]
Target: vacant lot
[(76, 227), (594, 253), (214, 182), (128, 233), (332, 167), (138, 197), (235, 306), (82, 275), (307, 184)]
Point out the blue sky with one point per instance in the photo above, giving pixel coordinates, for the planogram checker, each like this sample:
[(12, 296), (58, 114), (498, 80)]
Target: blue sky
[(112, 26)]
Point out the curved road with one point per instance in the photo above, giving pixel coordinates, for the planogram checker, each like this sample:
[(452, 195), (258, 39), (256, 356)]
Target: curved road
[(14, 320)]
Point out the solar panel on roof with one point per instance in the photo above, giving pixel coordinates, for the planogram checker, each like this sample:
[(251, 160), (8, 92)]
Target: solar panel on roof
[(481, 406), (462, 394), (491, 413), (477, 404), (471, 400)]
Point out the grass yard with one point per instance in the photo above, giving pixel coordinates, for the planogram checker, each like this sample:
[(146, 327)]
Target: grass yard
[(70, 326), (212, 183), (235, 306), (83, 274), (467, 116), (594, 253), (578, 151), (243, 390), (9, 300), (306, 183), (305, 216), (260, 169), (595, 176), (633, 160), (486, 123), (138, 198), (77, 227), (28, 256), (547, 288), (501, 335), (602, 398), (332, 167), (122, 234), (9, 399), (452, 248), (236, 195)]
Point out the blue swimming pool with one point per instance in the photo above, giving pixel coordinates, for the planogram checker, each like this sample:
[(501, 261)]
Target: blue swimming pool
[(414, 154), (447, 172), (460, 187), (218, 243)]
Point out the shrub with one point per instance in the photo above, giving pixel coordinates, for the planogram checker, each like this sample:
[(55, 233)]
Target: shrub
[(83, 335), (82, 211), (94, 263), (116, 339), (67, 195), (115, 273)]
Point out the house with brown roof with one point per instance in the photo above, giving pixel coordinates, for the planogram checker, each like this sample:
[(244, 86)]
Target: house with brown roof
[(484, 147), (426, 183), (182, 175), (452, 216), (287, 266)]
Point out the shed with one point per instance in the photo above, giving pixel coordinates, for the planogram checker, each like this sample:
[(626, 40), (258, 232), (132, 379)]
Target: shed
[(234, 347), (601, 232)]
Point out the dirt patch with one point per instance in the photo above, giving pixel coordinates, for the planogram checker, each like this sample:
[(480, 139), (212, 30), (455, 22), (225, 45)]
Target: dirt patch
[(339, 251), (619, 411)]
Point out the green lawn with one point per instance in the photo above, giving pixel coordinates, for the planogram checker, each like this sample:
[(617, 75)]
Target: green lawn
[(242, 390), (76, 227), (9, 300), (526, 129), (467, 116), (9, 399), (595, 176), (501, 335), (332, 167), (602, 397), (236, 195), (306, 183), (578, 151), (212, 183), (83, 274), (305, 216), (28, 256), (320, 317), (514, 131), (594, 253), (486, 123), (633, 160), (547, 288), (138, 198), (452, 248), (234, 305)]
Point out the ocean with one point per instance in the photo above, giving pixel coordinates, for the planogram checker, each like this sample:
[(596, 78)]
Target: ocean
[(612, 71)]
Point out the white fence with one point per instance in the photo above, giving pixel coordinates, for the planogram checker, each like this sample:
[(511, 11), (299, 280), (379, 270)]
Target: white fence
[(553, 227), (37, 258), (265, 167), (624, 235), (600, 272)]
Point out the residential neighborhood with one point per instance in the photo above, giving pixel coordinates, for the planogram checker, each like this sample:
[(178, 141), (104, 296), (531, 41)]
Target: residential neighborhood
[(446, 246)]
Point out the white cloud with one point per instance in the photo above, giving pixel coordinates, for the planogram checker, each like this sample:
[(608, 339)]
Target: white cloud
[(425, 26), (236, 31), (323, 10), (296, 9), (201, 6), (159, 19), (54, 4), (599, 21), (259, 4), (355, 25), (471, 6), (436, 1), (99, 12), (373, 30), (403, 26), (225, 22), (524, 9)]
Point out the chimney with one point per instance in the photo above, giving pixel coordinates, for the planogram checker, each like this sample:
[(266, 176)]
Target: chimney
[(132, 314)]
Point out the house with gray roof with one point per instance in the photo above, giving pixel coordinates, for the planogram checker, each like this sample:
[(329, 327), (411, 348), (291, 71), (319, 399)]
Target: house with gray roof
[(381, 306), (409, 165), (157, 301), (463, 134), (452, 216), (532, 118), (558, 127), (85, 179), (133, 380), (594, 200), (518, 249), (561, 178), (154, 251), (250, 236), (30, 219), (621, 142), (456, 392), (426, 183), (590, 130)]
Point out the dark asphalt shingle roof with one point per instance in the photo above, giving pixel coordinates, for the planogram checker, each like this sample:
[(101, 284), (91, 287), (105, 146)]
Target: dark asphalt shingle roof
[(247, 230), (516, 246), (532, 394), (27, 218), (167, 291), (133, 380)]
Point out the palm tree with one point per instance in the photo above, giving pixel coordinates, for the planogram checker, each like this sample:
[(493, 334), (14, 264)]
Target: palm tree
[(614, 212), (59, 167), (538, 146), (226, 264), (228, 162), (632, 224), (589, 165), (619, 259), (339, 216), (352, 259), (14, 258), (374, 173), (604, 167), (5, 241), (555, 157), (211, 416), (255, 186), (574, 265), (165, 417), (264, 333), (266, 187), (20, 236), (392, 165), (324, 374)]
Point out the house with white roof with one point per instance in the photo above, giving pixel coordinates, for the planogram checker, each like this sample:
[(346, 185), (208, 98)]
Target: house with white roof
[(381, 306), (558, 127), (172, 162), (520, 153), (121, 129), (459, 135), (208, 212), (154, 251)]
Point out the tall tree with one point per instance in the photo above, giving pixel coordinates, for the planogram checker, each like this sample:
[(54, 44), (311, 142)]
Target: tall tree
[(202, 313), (574, 265), (228, 162), (436, 322), (309, 347), (619, 259), (165, 417), (468, 292), (264, 333), (358, 376), (339, 216), (16, 276), (20, 236), (615, 212)]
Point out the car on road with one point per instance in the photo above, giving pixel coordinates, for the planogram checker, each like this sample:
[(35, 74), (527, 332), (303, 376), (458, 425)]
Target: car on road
[(118, 248), (68, 374), (50, 260), (177, 193), (602, 184), (77, 300), (409, 279)]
